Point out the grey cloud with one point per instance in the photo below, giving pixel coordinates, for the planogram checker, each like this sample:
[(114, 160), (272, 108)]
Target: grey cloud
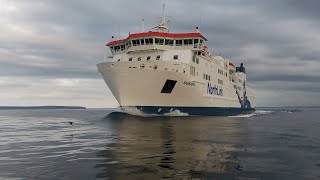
[(277, 40)]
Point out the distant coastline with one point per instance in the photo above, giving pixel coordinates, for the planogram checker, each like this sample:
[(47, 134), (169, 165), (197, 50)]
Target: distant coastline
[(41, 107), (288, 107)]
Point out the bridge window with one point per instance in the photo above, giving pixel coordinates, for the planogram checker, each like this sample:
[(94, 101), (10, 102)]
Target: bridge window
[(148, 58), (122, 47), (220, 71), (142, 41), (127, 45), (168, 42), (149, 41), (116, 48), (197, 60), (187, 42), (220, 82), (158, 57), (175, 57), (159, 41), (136, 42), (178, 42), (196, 43)]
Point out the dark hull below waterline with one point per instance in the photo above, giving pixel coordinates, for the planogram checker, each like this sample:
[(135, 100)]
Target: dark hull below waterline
[(194, 111)]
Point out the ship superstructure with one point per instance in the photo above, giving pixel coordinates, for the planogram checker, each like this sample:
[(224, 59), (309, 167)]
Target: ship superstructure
[(159, 72)]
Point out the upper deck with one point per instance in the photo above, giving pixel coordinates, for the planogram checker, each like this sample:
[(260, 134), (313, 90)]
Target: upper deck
[(157, 41)]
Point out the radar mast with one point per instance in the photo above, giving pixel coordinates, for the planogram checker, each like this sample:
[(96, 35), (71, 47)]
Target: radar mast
[(162, 25)]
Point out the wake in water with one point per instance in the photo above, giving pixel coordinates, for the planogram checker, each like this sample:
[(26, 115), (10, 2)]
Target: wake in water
[(136, 112), (176, 112), (256, 113), (244, 115)]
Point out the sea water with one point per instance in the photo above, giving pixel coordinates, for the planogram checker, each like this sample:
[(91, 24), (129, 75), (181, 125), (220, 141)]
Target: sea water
[(274, 143)]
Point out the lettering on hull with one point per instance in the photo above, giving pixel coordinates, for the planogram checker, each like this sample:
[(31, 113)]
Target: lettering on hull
[(189, 83), (215, 90)]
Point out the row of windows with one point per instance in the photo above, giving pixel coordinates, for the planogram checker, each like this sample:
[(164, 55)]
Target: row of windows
[(206, 77), (220, 81), (118, 48), (138, 42), (196, 60), (175, 57), (158, 41), (147, 58)]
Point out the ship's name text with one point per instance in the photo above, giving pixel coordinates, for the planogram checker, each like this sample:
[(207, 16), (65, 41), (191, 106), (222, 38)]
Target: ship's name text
[(189, 83), (215, 90)]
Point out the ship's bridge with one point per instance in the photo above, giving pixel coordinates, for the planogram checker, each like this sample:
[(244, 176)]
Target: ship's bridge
[(149, 41)]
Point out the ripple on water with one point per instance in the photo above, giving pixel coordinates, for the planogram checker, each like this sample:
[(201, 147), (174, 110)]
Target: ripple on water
[(271, 144)]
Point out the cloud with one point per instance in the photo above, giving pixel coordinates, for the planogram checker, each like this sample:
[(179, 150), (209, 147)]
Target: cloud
[(60, 91), (48, 44)]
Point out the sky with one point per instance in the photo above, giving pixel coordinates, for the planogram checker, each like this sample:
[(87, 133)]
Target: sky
[(49, 48)]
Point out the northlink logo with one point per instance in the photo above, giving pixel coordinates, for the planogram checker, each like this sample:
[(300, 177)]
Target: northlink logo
[(216, 90)]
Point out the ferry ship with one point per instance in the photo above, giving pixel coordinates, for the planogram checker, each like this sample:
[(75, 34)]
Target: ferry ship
[(162, 73)]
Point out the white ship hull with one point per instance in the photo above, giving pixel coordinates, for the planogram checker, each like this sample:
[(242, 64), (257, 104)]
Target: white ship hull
[(159, 72), (139, 85)]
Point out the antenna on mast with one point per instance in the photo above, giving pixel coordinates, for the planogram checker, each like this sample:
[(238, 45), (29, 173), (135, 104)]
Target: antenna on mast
[(142, 25), (162, 23), (163, 14), (200, 23), (119, 35)]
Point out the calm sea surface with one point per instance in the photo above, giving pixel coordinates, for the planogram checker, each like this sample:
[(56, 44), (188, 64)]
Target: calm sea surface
[(102, 144)]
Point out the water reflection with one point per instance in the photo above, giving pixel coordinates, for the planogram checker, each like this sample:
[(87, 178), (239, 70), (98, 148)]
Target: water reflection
[(174, 147)]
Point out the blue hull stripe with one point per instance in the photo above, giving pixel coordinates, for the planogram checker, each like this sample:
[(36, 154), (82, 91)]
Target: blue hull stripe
[(198, 111)]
